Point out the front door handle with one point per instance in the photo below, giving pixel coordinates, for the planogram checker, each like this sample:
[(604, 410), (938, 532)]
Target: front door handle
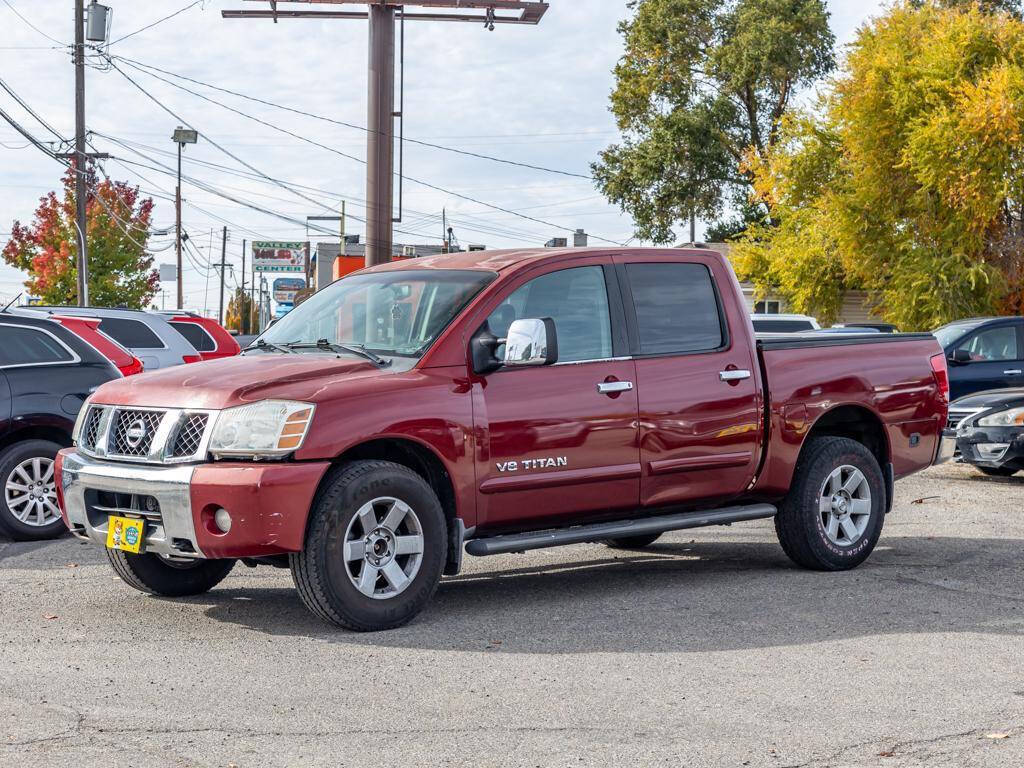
[(734, 375), (1014, 372), (611, 387)]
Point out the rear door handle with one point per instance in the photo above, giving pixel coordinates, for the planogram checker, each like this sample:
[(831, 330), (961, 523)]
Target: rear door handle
[(611, 387), (736, 375)]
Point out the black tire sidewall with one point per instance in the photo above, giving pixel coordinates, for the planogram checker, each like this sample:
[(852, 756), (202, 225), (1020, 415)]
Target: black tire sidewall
[(10, 457), (819, 466), (325, 543), (149, 573)]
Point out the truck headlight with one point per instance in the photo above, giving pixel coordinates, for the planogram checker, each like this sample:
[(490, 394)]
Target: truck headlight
[(267, 429), (1012, 417)]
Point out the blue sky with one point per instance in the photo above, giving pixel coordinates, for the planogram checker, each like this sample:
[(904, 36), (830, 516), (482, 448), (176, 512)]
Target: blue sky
[(536, 95)]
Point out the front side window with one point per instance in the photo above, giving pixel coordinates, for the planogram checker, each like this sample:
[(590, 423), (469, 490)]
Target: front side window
[(576, 299), (397, 313), (995, 345), (676, 308), (27, 346)]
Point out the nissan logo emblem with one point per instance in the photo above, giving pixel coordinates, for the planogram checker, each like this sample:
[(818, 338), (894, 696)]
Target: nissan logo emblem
[(135, 433)]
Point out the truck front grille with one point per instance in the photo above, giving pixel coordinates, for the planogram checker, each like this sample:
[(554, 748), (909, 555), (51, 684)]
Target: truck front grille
[(152, 435)]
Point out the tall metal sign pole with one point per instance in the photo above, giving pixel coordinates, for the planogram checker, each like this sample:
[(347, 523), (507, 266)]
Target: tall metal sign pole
[(380, 117)]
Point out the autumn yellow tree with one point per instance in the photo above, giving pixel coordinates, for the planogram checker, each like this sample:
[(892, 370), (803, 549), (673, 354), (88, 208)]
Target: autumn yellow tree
[(908, 181)]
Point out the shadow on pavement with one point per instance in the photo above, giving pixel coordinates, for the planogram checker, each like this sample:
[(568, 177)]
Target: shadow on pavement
[(700, 596)]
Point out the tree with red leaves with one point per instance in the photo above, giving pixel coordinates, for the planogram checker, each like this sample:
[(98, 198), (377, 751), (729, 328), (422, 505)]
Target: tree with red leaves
[(117, 230)]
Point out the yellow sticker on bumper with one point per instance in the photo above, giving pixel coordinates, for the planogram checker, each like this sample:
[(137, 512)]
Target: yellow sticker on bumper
[(125, 534)]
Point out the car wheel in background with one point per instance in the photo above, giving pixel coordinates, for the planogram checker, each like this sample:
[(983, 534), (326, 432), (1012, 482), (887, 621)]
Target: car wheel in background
[(998, 471), (832, 517), (633, 542), (376, 544), (28, 501)]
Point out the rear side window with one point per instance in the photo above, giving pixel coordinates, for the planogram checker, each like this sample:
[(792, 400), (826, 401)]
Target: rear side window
[(130, 333), (28, 346), (196, 335), (676, 308)]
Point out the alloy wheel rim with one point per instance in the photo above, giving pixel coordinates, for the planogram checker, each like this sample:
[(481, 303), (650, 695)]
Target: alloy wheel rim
[(383, 548), (31, 493), (845, 505)]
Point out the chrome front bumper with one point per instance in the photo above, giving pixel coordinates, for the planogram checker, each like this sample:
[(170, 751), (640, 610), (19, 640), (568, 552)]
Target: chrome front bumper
[(947, 447), (170, 532)]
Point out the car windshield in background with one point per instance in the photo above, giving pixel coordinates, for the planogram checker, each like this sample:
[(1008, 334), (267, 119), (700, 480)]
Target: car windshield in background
[(397, 313), (947, 334)]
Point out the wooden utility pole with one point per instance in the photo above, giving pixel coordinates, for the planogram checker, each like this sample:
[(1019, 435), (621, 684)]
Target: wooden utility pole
[(223, 255), (80, 165), (246, 305)]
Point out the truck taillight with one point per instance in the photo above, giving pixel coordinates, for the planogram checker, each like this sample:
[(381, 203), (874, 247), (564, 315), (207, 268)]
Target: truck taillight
[(941, 374)]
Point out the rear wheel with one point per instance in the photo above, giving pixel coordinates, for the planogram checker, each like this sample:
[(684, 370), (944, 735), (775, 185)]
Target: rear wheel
[(832, 518), (633, 542), (375, 547), (998, 471), (158, 575), (28, 504)]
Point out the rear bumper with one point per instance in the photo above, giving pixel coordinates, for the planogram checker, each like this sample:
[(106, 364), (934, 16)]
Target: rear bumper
[(947, 447), (268, 504)]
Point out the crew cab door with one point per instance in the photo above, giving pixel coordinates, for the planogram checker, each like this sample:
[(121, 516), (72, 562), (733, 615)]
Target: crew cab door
[(697, 377), (559, 442)]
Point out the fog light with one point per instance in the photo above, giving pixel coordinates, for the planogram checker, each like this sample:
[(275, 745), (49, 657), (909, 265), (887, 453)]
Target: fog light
[(991, 451), (222, 519)]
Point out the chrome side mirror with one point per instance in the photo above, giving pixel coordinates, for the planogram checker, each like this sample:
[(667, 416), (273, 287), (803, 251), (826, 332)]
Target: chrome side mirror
[(531, 342)]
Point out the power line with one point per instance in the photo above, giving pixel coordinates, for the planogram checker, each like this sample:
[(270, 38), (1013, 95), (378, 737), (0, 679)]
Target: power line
[(158, 21), (435, 187), (37, 29), (143, 67)]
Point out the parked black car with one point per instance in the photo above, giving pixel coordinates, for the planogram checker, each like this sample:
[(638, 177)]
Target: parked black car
[(983, 353), (990, 430), (46, 373)]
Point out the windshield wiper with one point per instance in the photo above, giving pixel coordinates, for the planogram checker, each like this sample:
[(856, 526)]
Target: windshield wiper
[(357, 350), (269, 345)]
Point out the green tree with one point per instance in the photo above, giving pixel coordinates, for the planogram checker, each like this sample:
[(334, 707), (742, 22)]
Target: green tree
[(700, 82), (117, 231), (910, 183), (987, 6)]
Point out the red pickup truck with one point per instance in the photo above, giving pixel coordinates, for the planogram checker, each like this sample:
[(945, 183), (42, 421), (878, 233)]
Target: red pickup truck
[(497, 402)]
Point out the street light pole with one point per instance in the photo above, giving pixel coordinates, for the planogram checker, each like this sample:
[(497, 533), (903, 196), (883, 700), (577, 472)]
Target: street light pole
[(223, 255), (181, 137), (79, 165)]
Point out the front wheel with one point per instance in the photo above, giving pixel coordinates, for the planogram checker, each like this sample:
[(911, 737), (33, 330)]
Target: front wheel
[(375, 547), (832, 518), (157, 575)]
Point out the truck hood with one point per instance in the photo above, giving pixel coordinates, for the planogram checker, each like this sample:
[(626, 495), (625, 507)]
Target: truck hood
[(241, 379)]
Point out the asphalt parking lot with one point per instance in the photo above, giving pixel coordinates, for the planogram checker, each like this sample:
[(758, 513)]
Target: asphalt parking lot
[(707, 649)]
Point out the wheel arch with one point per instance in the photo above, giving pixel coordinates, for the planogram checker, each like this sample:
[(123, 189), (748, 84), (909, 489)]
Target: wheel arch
[(859, 423), (425, 462), (37, 432)]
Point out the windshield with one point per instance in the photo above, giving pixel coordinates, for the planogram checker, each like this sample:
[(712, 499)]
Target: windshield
[(396, 313), (947, 334)]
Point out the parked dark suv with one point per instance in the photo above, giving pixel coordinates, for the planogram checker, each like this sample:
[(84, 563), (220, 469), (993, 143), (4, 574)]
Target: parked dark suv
[(983, 353), (46, 372)]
